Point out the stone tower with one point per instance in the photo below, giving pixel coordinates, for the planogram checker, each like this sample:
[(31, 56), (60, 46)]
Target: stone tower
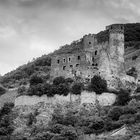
[(116, 48)]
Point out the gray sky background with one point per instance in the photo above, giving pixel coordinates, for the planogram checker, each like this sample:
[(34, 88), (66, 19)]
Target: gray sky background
[(31, 28)]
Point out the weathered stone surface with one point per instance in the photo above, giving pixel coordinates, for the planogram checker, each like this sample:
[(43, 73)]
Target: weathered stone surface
[(85, 97)]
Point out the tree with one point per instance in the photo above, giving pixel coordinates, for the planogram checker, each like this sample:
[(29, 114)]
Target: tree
[(58, 80), (2, 90), (69, 133), (35, 79), (76, 88), (62, 89), (123, 97), (115, 113), (98, 85)]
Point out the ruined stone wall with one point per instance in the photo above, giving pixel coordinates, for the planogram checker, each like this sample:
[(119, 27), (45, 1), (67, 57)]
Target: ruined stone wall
[(104, 99), (132, 59), (66, 64)]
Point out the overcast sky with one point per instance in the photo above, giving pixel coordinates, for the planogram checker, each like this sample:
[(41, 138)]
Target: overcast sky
[(31, 28)]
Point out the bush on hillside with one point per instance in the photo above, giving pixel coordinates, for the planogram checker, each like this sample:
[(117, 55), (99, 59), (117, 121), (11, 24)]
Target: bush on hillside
[(58, 80), (21, 90), (123, 97), (62, 89), (76, 88), (6, 127), (2, 90), (35, 79), (98, 85), (69, 80), (36, 90), (69, 133), (115, 113)]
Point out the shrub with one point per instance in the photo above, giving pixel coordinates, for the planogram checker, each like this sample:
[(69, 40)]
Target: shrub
[(98, 85), (58, 80), (97, 125), (62, 89), (57, 128), (123, 97), (35, 79), (2, 90), (115, 113), (69, 133), (36, 90), (76, 88), (46, 89), (21, 90), (127, 118), (68, 80)]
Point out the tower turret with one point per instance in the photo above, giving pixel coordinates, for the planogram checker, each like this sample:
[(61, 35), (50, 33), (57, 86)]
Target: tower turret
[(116, 47)]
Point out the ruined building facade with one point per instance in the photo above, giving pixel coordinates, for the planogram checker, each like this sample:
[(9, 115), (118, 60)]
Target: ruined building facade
[(92, 56)]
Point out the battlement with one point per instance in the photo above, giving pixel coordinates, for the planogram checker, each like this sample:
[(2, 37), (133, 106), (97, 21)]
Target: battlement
[(115, 28)]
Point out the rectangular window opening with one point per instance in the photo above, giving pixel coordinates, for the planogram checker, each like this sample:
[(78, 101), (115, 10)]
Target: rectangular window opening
[(64, 67)]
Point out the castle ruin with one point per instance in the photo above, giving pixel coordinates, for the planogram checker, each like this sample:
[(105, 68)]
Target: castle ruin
[(92, 56)]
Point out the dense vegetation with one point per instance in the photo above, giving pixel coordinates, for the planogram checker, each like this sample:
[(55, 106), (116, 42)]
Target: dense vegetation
[(98, 85), (61, 86), (70, 123), (21, 75), (6, 127)]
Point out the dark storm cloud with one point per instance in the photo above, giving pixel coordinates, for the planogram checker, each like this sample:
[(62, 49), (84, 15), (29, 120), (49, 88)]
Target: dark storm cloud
[(30, 28)]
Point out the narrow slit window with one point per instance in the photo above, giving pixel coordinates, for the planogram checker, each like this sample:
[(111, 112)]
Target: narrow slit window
[(64, 60), (95, 52), (69, 59), (58, 61), (79, 57)]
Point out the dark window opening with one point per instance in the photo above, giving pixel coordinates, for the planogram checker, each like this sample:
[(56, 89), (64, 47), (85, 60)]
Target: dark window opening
[(92, 59), (95, 52), (77, 65), (96, 64), (58, 61), (69, 59), (134, 57), (71, 66), (92, 64), (64, 60), (89, 42), (79, 57), (64, 67)]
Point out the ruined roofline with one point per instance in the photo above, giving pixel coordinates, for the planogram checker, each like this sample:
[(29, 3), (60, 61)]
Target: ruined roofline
[(100, 37), (115, 28)]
